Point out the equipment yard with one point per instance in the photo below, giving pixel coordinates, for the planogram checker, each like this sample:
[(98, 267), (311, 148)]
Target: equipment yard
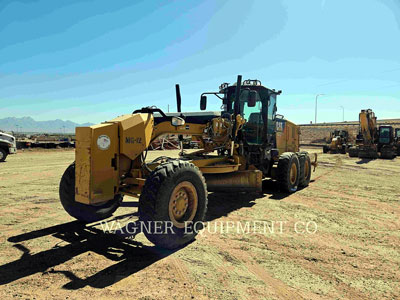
[(351, 250)]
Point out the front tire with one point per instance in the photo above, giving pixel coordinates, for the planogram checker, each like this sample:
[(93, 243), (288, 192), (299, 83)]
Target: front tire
[(174, 195), (83, 212), (288, 172), (3, 155)]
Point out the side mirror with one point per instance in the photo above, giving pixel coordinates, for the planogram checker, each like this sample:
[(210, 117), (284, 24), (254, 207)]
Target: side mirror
[(177, 121), (251, 102), (203, 102)]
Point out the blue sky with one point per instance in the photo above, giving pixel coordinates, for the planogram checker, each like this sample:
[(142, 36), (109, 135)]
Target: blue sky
[(89, 61)]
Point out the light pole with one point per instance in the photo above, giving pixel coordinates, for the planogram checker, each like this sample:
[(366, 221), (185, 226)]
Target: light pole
[(343, 111), (316, 105)]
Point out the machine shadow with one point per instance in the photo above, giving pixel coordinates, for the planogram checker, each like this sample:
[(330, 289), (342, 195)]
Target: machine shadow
[(129, 256), (221, 204), (271, 188), (364, 161)]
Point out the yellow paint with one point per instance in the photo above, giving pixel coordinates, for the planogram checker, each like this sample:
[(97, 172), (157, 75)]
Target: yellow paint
[(248, 180), (96, 180), (288, 140), (219, 169), (98, 170), (167, 128), (209, 161), (368, 125), (135, 133)]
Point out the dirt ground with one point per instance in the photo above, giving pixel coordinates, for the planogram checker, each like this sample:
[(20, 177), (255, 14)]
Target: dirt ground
[(351, 249)]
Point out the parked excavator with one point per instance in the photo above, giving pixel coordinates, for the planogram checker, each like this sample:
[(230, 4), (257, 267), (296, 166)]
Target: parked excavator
[(366, 140), (373, 142), (241, 145), (337, 142)]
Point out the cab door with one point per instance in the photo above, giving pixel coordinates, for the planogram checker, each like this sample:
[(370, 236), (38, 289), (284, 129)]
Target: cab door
[(253, 129)]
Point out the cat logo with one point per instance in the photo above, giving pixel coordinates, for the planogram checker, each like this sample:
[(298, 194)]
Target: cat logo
[(280, 125)]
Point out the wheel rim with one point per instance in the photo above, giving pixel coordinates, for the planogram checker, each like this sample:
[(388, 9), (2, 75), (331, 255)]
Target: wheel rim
[(1, 155), (306, 169), (183, 204), (293, 174)]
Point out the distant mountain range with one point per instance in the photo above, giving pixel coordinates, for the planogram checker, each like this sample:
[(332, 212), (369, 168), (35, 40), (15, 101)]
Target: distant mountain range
[(28, 124)]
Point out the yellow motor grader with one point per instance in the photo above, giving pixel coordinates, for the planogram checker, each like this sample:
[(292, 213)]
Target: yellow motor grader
[(337, 143), (241, 145)]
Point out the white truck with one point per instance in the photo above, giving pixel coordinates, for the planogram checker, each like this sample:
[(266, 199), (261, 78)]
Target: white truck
[(8, 145)]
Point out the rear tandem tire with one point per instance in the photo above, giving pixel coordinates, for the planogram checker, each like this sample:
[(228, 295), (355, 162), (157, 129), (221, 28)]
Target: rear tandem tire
[(83, 212), (288, 172), (305, 169), (174, 193)]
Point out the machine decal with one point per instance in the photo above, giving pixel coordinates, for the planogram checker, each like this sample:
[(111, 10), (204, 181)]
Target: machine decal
[(103, 142), (133, 140)]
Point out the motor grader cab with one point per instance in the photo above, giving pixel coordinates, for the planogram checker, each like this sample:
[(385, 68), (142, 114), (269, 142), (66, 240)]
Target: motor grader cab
[(337, 143), (240, 147)]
